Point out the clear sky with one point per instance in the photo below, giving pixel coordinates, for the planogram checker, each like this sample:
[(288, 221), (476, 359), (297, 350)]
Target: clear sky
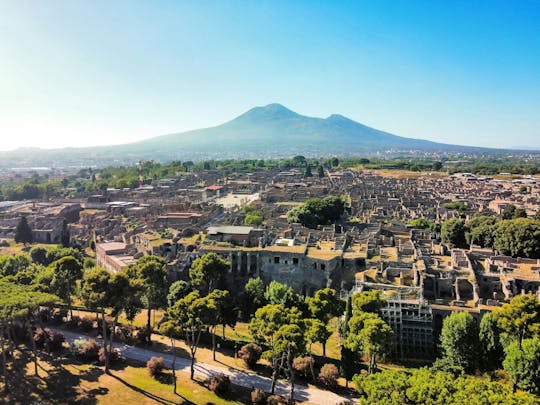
[(76, 73)]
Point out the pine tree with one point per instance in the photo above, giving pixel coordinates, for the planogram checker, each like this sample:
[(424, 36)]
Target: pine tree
[(23, 233)]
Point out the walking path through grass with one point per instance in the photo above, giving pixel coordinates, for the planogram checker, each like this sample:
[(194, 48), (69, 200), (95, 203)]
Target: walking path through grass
[(238, 377)]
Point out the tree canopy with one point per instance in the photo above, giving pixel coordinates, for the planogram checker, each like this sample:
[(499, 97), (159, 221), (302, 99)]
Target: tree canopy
[(317, 211)]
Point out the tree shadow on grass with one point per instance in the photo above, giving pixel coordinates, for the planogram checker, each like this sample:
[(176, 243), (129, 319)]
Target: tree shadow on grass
[(55, 383), (147, 394)]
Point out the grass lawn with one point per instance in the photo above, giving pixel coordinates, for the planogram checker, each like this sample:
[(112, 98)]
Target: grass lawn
[(69, 381), (18, 248)]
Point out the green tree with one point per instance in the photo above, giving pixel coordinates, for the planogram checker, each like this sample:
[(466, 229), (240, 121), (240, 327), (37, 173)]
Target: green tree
[(370, 335), (253, 219), (320, 171), (317, 211), (14, 264), (368, 301), (151, 275), (349, 362), (459, 340), (489, 337), (289, 342), (96, 294), (453, 233), (254, 291), (171, 329), (191, 314), (125, 297), (208, 269), (18, 304), (218, 302), (264, 327), (325, 305), (481, 230), (64, 234), (424, 386), (39, 255), (316, 332), (279, 293), (512, 212), (67, 271), (179, 289), (522, 363), (520, 318), (23, 232), (518, 238)]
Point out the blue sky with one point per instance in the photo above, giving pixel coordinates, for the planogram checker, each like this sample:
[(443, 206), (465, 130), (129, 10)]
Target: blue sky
[(76, 73)]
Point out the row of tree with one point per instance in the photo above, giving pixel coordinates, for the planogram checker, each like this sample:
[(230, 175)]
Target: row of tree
[(508, 337), (518, 237)]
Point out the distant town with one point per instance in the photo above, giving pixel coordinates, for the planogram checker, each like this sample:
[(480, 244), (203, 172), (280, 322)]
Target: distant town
[(341, 244)]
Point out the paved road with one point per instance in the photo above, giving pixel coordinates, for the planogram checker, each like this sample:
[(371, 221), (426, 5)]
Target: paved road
[(204, 370)]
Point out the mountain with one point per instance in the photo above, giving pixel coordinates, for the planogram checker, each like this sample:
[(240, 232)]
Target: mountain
[(276, 130), (262, 132)]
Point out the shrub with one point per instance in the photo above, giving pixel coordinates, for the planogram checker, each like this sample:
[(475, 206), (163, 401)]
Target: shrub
[(155, 366), (276, 400), (220, 384), (41, 336), (113, 356), (303, 365), (123, 333), (329, 374), (55, 342), (85, 324), (44, 314), (142, 335), (76, 346), (250, 354), (258, 397), (72, 322), (89, 350)]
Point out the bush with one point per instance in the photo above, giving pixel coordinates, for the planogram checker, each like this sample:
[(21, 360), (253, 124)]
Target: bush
[(329, 374), (89, 351), (76, 346), (85, 324), (41, 336), (303, 365), (72, 322), (276, 400), (123, 333), (155, 366), (220, 384), (258, 397), (142, 335), (250, 354), (113, 357), (55, 342), (44, 314)]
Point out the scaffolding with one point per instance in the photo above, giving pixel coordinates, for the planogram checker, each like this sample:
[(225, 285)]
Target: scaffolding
[(410, 317)]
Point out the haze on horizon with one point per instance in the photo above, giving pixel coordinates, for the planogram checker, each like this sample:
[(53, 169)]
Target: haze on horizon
[(76, 73)]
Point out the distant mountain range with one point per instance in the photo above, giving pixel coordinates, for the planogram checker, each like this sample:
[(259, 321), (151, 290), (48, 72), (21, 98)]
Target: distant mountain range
[(262, 132)]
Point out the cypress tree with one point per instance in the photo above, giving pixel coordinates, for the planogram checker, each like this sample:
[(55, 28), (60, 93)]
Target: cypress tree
[(23, 233), (349, 361), (64, 234)]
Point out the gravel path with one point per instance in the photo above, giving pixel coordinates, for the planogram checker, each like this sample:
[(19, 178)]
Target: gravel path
[(238, 377)]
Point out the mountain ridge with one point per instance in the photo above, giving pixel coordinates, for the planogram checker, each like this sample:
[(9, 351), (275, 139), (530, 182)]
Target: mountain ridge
[(269, 131)]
